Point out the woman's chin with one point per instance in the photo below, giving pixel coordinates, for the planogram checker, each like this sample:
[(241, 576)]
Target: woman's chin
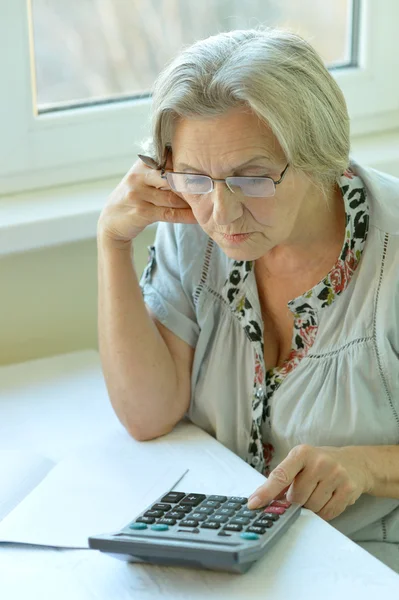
[(244, 254)]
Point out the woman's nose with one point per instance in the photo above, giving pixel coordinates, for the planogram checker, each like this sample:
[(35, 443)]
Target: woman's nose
[(226, 206)]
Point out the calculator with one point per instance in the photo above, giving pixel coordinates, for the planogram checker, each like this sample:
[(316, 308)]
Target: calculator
[(202, 531)]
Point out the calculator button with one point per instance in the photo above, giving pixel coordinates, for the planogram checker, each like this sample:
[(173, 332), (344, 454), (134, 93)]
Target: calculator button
[(138, 526), (218, 519), (256, 529), (250, 514), (198, 516), (193, 499), (188, 523), (247, 535), (184, 508), (277, 510), (269, 516), (233, 505), (233, 527), (154, 513), (175, 514), (238, 499), (211, 504), (173, 497), (167, 521), (145, 520), (218, 498), (159, 527), (240, 521), (210, 525), (264, 523), (161, 506), (283, 503), (225, 511), (204, 510)]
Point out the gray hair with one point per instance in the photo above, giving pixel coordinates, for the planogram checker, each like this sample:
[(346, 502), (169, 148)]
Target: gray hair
[(279, 76)]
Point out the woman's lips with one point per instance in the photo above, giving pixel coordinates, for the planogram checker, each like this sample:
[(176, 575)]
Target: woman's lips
[(236, 238)]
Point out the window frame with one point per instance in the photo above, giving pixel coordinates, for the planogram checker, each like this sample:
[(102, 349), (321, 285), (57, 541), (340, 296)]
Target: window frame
[(100, 141)]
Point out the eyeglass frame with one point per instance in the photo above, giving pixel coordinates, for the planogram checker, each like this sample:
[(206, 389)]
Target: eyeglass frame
[(163, 171)]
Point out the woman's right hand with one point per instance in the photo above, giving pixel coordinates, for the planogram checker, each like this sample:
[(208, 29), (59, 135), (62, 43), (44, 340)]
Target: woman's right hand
[(141, 198)]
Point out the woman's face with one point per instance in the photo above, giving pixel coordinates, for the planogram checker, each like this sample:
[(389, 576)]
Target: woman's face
[(218, 147)]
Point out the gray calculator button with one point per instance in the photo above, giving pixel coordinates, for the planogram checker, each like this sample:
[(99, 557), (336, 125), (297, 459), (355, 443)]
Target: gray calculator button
[(264, 523), (270, 516), (232, 527), (218, 519), (232, 505), (184, 508), (228, 512), (161, 506), (240, 521), (211, 504), (204, 510), (167, 521), (238, 499), (175, 514), (218, 498), (193, 499), (198, 516), (188, 523), (255, 529), (210, 525), (250, 514), (154, 513), (173, 497), (145, 520)]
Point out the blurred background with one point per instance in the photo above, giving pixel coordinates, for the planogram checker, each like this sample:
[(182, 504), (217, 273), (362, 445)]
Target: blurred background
[(102, 49), (75, 104)]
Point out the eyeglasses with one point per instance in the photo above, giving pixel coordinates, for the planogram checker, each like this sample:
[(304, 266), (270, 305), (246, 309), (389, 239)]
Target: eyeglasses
[(190, 183)]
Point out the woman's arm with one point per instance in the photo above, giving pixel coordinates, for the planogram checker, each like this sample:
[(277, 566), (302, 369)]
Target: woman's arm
[(147, 369), (382, 462)]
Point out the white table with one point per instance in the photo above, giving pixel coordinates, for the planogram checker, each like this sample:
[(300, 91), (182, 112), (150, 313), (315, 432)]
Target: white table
[(53, 405)]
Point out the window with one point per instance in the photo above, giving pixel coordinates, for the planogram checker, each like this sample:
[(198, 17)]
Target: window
[(98, 50), (77, 75)]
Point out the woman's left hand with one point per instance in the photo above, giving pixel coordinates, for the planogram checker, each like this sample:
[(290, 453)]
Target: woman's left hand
[(324, 479)]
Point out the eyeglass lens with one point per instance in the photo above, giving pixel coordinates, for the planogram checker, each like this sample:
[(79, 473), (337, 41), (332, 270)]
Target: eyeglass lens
[(201, 184)]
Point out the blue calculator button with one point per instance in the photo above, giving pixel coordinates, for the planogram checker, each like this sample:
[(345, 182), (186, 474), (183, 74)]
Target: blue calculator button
[(159, 527), (138, 526), (246, 535)]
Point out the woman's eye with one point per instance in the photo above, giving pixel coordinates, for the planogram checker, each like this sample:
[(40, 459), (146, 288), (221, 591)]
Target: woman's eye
[(258, 175)]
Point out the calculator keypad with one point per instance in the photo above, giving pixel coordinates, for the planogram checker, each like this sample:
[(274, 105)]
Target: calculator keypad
[(226, 515)]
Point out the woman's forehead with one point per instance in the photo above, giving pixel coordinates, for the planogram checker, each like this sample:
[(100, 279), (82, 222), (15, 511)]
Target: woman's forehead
[(235, 136)]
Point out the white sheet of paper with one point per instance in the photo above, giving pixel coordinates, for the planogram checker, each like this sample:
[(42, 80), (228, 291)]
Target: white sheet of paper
[(20, 473), (97, 490)]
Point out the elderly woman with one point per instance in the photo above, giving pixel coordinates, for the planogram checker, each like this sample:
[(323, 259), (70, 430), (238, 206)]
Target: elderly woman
[(268, 311)]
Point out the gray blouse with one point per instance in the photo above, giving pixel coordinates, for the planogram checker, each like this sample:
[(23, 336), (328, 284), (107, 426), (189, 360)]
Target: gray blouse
[(340, 384)]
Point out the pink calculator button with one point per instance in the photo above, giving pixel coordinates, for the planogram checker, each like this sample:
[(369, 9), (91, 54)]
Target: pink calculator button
[(277, 510), (283, 503)]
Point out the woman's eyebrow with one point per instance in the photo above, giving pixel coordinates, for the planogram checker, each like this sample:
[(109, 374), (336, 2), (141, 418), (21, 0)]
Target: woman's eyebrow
[(184, 166)]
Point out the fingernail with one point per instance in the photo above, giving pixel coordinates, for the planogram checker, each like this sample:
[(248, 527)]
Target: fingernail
[(147, 160), (254, 502)]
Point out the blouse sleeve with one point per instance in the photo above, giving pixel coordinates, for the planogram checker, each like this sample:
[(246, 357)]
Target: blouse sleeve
[(163, 288)]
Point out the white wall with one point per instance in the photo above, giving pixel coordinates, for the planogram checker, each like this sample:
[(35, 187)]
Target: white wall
[(49, 299)]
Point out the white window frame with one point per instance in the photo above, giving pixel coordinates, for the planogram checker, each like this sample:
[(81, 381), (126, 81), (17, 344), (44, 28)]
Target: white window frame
[(91, 143)]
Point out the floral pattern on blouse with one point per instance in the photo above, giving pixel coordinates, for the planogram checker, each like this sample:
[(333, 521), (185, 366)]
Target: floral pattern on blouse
[(305, 309)]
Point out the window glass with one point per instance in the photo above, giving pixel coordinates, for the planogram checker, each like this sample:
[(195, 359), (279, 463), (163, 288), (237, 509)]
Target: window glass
[(89, 51)]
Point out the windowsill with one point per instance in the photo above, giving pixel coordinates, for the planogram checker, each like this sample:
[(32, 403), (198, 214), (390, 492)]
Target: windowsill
[(68, 214)]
